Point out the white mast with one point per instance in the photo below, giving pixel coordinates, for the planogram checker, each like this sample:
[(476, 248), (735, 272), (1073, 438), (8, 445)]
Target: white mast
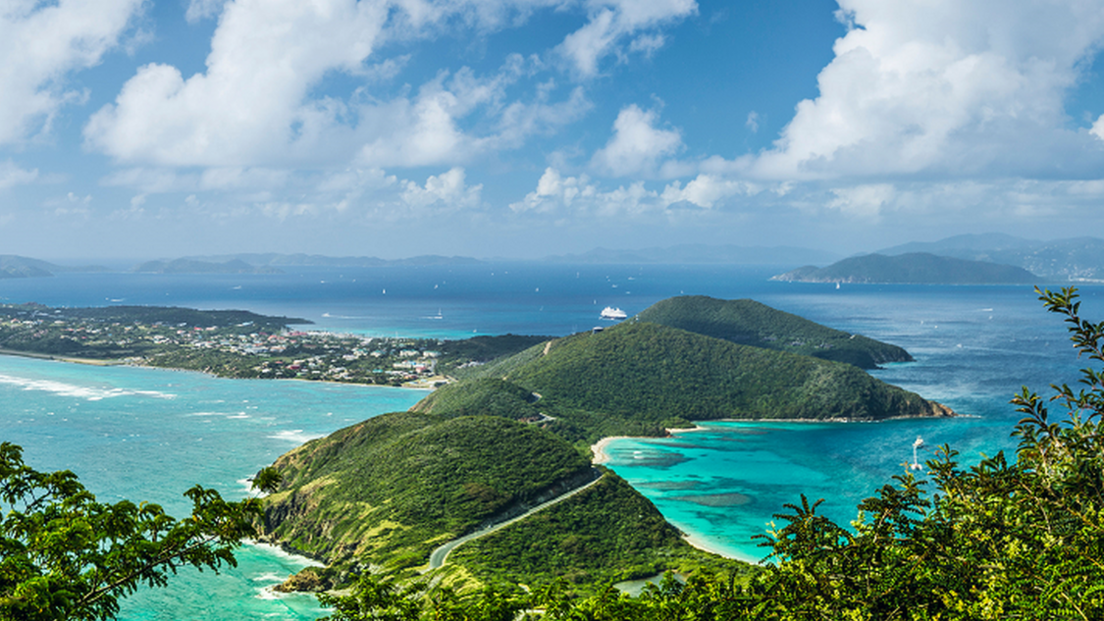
[(916, 446)]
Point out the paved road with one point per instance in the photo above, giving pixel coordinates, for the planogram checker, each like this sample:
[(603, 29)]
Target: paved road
[(438, 556)]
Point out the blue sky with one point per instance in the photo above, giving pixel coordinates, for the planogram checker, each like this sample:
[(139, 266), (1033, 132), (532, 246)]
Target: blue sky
[(523, 128)]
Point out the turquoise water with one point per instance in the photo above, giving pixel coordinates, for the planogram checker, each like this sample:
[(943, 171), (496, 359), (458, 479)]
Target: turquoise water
[(975, 347), (150, 434)]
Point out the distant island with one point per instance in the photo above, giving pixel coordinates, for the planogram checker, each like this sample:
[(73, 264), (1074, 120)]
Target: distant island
[(15, 266), (699, 254), (911, 268), (274, 260), (190, 266), (510, 440), (1077, 259), (1068, 260)]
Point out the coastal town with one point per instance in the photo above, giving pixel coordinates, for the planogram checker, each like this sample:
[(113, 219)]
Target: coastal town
[(236, 344)]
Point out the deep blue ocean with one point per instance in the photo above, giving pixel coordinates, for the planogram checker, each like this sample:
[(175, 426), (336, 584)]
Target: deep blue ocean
[(149, 434)]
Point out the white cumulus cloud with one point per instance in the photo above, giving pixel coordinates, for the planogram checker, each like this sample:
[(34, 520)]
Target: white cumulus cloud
[(636, 144), (612, 22), (864, 201), (707, 191), (12, 175), (250, 104), (447, 190), (41, 43), (557, 193), (942, 85)]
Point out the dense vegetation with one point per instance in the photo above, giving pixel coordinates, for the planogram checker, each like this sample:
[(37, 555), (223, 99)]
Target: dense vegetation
[(748, 322), (1018, 538), (484, 396), (387, 491), (1005, 538), (639, 378), (606, 534), (64, 555), (912, 268), (390, 489), (486, 348)]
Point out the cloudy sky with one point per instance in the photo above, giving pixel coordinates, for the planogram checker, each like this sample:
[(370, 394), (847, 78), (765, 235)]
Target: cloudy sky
[(138, 128)]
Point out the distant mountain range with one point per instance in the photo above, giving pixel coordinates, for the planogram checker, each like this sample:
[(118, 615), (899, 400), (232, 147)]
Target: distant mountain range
[(1074, 259), (191, 266), (911, 268), (14, 266), (700, 253), (1066, 260), (316, 260)]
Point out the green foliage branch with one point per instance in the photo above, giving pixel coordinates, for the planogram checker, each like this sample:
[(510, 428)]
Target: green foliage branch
[(63, 555)]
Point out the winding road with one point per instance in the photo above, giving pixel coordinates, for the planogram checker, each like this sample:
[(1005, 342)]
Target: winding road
[(439, 554)]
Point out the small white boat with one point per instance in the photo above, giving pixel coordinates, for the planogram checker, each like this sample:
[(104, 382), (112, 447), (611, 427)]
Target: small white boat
[(616, 314)]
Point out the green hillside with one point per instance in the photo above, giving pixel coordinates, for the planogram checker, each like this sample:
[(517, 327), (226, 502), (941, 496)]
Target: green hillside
[(603, 535), (474, 453), (483, 396), (388, 490), (638, 378), (748, 322)]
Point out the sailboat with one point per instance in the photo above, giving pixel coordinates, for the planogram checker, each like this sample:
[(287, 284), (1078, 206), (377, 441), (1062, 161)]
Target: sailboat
[(915, 447)]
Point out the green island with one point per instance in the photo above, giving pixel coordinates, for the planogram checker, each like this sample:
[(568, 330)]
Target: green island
[(911, 268), (516, 432)]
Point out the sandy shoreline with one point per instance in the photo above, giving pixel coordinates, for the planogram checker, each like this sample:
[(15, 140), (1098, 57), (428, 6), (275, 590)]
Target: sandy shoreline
[(598, 449), (698, 543), (601, 456), (91, 361)]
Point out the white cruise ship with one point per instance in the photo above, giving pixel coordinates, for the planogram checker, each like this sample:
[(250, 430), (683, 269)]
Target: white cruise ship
[(610, 312)]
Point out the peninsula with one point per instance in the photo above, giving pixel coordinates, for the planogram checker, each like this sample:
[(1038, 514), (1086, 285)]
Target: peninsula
[(237, 344), (514, 434)]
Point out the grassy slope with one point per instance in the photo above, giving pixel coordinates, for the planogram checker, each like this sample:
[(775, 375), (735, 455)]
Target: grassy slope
[(483, 396), (606, 534), (638, 377), (748, 322), (389, 489)]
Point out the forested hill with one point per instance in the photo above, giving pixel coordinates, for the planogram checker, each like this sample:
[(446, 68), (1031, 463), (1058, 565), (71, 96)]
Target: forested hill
[(638, 378), (748, 322), (911, 268), (388, 491), (390, 487)]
